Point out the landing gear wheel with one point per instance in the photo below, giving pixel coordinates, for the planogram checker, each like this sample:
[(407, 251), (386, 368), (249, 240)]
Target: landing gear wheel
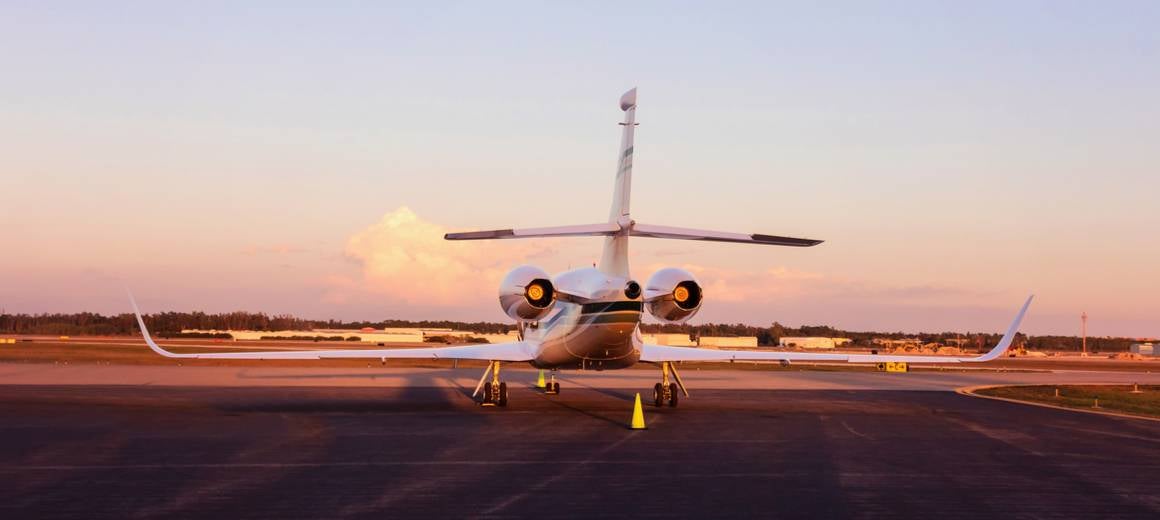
[(672, 395), (488, 398), (502, 398), (658, 395), (555, 388)]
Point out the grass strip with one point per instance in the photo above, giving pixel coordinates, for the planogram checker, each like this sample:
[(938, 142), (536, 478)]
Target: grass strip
[(1116, 398)]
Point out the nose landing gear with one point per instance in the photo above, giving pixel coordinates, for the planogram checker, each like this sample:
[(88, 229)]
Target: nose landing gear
[(495, 392), (552, 388), (666, 391)]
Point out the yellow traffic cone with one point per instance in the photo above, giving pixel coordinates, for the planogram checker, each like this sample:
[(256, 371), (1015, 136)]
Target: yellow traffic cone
[(637, 415), (540, 380)]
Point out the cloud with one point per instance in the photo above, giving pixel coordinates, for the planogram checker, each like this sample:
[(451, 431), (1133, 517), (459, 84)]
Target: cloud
[(406, 257)]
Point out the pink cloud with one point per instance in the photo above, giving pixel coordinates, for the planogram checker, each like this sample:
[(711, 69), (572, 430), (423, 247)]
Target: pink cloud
[(406, 257)]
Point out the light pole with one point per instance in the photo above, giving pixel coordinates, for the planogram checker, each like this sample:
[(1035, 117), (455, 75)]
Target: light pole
[(1083, 328)]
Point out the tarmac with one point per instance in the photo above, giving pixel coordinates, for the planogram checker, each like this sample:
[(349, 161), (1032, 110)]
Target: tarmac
[(214, 442), (374, 375)]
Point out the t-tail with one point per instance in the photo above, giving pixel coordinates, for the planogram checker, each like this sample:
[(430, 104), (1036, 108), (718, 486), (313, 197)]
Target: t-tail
[(620, 226), (614, 258)]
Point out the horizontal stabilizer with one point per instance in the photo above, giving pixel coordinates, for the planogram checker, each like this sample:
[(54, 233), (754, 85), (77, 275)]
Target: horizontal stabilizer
[(558, 231), (653, 231), (635, 230)]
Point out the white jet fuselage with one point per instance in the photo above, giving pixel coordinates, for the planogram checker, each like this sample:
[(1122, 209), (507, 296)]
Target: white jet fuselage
[(601, 333)]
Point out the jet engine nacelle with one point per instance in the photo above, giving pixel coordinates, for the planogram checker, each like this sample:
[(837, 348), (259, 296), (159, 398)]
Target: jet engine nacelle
[(672, 295), (526, 293)]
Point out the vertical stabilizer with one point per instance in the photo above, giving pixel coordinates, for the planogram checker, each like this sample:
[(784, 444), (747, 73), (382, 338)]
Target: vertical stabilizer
[(623, 191), (614, 260)]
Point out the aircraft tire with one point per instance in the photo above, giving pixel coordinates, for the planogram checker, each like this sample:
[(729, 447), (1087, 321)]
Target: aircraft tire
[(502, 398), (658, 395), (673, 395)]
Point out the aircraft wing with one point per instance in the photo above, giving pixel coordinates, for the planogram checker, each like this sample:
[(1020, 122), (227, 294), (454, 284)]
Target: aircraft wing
[(516, 351), (653, 231), (660, 353), (558, 231)]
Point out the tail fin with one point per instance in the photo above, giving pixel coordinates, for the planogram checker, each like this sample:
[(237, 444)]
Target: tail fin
[(614, 259), (623, 191)]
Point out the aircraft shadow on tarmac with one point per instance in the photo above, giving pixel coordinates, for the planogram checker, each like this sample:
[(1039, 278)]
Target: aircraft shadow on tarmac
[(415, 394), (450, 376), (617, 393)]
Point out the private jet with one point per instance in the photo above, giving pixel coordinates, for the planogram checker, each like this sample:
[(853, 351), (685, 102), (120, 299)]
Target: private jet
[(589, 318)]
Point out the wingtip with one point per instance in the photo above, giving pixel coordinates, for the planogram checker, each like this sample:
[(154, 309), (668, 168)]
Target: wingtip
[(132, 301), (1008, 337), (145, 331)]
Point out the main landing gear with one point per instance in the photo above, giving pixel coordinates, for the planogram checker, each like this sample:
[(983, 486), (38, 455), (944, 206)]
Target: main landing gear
[(663, 392), (495, 392), (666, 391)]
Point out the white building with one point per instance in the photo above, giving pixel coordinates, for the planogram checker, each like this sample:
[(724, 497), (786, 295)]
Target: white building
[(673, 339), (1144, 349), (812, 342), (727, 341)]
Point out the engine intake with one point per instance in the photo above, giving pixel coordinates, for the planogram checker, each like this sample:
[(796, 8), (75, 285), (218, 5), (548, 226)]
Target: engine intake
[(672, 295), (632, 290), (527, 294)]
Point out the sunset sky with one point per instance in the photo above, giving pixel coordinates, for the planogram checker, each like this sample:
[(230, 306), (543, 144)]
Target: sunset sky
[(955, 156)]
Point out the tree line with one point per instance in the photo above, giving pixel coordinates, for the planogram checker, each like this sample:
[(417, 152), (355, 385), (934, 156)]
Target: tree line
[(171, 323), (772, 334)]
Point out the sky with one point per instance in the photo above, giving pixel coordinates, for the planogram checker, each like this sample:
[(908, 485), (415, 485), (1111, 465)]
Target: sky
[(306, 158)]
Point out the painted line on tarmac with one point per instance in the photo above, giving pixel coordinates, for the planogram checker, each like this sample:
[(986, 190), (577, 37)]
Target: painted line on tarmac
[(970, 391), (295, 465)]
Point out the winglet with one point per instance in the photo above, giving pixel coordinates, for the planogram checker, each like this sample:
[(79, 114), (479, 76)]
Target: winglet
[(1009, 337), (145, 332)]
